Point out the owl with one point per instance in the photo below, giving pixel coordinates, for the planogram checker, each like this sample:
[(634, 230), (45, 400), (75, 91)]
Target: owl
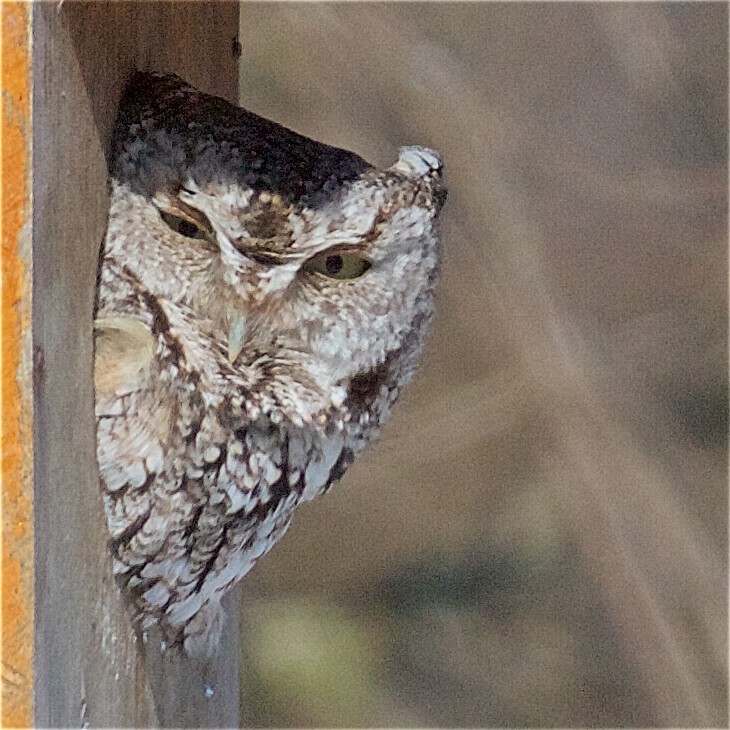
[(262, 299)]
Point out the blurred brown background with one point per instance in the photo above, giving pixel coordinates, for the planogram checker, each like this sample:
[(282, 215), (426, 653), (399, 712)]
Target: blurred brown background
[(540, 538)]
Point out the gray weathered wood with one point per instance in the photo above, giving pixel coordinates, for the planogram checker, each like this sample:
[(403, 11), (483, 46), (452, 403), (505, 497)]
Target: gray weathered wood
[(88, 667)]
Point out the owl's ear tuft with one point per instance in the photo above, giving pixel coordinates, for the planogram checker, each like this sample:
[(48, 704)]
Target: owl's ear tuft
[(419, 162), (425, 169)]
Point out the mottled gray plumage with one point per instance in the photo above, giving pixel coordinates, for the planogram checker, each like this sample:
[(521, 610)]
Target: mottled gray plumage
[(262, 299)]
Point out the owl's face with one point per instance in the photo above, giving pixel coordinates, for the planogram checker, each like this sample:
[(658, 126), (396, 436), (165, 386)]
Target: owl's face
[(277, 246)]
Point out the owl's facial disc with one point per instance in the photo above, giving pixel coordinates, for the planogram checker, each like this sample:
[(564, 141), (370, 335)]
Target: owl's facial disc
[(356, 278), (363, 284), (286, 247)]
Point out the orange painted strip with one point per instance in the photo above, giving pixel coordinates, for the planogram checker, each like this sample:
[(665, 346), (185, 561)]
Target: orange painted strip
[(16, 432)]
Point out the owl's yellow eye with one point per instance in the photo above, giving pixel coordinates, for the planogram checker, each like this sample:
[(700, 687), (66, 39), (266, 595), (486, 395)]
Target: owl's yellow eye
[(184, 226), (338, 265)]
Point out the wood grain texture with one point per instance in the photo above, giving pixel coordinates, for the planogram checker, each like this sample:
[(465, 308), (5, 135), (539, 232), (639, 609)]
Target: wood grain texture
[(16, 501), (88, 666)]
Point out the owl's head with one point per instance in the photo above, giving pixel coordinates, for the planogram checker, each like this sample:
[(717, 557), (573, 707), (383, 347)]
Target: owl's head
[(283, 249)]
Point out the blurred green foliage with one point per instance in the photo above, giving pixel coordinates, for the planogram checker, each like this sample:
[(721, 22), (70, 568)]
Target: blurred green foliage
[(309, 656)]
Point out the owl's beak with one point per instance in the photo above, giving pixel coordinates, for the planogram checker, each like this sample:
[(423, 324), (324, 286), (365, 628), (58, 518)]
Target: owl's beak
[(236, 335)]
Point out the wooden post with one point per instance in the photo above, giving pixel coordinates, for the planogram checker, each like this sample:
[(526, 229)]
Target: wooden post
[(70, 656)]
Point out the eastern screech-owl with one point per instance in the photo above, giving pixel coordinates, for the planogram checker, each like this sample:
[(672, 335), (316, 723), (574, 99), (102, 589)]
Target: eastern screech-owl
[(262, 300)]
